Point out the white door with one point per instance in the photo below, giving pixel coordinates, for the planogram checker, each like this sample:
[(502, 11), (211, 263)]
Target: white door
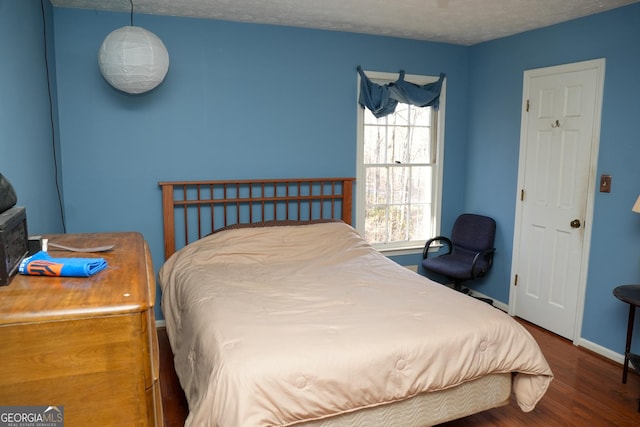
[(556, 184)]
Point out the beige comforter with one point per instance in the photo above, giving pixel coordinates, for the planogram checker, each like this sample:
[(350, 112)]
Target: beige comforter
[(271, 326)]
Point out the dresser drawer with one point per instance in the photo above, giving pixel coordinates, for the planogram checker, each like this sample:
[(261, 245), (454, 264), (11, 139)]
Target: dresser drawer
[(91, 367)]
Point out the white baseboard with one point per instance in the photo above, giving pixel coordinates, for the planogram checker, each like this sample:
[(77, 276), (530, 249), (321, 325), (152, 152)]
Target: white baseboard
[(602, 351), (580, 342), (161, 324)]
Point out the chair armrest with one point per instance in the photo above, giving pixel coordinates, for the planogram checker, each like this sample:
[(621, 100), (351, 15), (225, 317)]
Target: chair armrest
[(427, 245), (488, 253)]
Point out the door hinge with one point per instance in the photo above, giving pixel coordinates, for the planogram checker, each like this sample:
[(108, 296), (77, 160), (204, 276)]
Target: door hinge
[(515, 281), (522, 195), (527, 107)]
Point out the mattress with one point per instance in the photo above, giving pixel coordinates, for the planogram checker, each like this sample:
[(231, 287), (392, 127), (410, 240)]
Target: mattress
[(297, 324)]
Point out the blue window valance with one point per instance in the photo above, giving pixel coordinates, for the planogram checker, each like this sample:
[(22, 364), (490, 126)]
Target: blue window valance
[(381, 100)]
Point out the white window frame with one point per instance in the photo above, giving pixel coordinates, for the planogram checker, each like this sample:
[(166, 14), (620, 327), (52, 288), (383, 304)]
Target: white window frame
[(360, 188)]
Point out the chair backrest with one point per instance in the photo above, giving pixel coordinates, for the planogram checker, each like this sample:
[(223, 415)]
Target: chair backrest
[(473, 232)]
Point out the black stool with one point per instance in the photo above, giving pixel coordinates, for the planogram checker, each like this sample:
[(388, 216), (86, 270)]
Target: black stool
[(631, 295)]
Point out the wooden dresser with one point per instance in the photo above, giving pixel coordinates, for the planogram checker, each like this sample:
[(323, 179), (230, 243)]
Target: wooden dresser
[(87, 344)]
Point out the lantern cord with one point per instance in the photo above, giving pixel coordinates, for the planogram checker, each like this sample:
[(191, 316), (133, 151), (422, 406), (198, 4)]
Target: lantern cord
[(131, 16), (51, 120)]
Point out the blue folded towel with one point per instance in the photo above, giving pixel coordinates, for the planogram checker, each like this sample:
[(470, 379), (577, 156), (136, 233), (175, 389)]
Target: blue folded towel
[(42, 264)]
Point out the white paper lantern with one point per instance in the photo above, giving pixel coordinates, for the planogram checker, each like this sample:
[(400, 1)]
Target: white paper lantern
[(133, 60)]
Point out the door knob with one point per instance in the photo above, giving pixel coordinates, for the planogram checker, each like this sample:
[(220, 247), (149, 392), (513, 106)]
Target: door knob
[(575, 223)]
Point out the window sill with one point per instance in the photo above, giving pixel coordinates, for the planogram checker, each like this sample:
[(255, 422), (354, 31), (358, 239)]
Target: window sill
[(408, 251), (400, 251)]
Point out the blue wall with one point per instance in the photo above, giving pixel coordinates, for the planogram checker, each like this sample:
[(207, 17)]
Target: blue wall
[(243, 100), (26, 133), (495, 100), (239, 101)]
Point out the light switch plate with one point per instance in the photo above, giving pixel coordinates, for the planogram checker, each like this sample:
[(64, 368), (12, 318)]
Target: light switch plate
[(605, 183)]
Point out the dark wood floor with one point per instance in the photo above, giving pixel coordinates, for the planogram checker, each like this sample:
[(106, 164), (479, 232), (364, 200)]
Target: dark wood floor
[(587, 391)]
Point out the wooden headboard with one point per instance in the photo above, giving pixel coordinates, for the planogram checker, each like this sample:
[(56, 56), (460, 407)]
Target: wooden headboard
[(193, 209)]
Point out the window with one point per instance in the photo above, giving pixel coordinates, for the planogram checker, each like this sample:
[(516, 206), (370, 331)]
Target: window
[(399, 173)]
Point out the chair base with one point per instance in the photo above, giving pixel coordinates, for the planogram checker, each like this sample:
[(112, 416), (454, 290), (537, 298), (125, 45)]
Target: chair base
[(487, 300), (458, 287)]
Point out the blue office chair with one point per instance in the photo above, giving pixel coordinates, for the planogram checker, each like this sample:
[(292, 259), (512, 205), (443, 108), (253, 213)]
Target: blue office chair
[(468, 252)]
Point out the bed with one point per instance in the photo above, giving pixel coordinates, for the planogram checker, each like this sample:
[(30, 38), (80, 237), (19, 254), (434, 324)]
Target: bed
[(280, 314)]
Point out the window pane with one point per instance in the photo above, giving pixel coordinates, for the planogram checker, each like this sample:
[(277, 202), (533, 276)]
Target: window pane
[(420, 225), (420, 145), (376, 185), (421, 116), (399, 184), (421, 184), (375, 145), (375, 224), (399, 148), (369, 118), (400, 117), (398, 220)]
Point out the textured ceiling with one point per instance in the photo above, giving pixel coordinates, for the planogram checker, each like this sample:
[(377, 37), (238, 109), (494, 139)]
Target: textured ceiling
[(464, 22)]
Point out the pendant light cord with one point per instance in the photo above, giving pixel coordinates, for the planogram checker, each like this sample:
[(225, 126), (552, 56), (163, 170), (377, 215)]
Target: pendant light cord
[(131, 15), (51, 120)]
